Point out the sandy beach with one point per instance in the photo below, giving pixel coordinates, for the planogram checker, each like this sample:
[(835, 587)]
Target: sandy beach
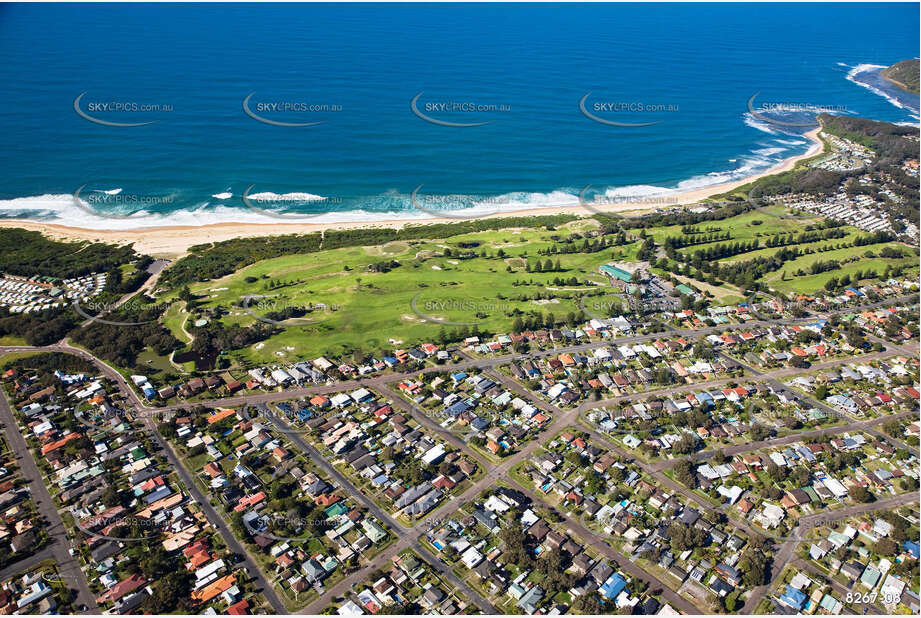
[(173, 242)]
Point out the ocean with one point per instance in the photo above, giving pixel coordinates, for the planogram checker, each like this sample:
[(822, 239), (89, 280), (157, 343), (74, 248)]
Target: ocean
[(177, 114)]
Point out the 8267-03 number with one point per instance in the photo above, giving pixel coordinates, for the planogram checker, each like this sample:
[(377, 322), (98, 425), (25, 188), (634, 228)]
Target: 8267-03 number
[(870, 597)]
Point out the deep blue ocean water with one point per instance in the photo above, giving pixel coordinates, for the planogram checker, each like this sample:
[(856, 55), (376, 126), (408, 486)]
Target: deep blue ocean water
[(690, 69)]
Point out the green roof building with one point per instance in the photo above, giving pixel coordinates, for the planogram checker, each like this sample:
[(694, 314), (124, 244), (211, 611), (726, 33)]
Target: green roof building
[(336, 509), (685, 289), (870, 577), (617, 273)]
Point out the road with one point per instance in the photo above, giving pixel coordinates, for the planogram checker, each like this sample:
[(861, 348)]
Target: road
[(216, 519), (69, 568), (150, 425), (561, 419), (784, 555), (624, 563), (411, 537), (841, 591), (406, 538), (153, 269), (821, 405), (482, 363)]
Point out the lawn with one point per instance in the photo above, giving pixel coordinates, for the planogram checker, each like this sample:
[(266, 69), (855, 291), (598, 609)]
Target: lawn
[(811, 283), (355, 307), (773, 220), (148, 358), (743, 227), (403, 293)]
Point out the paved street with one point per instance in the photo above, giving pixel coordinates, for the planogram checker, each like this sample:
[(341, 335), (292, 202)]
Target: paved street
[(217, 520), (411, 537), (68, 566)]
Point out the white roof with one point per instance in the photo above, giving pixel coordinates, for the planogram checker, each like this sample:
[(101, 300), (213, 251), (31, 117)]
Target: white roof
[(774, 512), (209, 569), (350, 608), (471, 557), (732, 493), (280, 375), (778, 459), (361, 393), (433, 454), (556, 390), (496, 504), (835, 487), (340, 399)]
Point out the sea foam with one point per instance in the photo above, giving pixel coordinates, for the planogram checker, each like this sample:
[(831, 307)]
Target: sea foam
[(863, 73)]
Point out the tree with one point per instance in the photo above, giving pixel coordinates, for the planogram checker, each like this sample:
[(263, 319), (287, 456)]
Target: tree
[(517, 546), (685, 444), (860, 494), (684, 537), (732, 600), (684, 472), (171, 594), (886, 547), (759, 432), (754, 567), (588, 604), (703, 349), (776, 473), (111, 497)]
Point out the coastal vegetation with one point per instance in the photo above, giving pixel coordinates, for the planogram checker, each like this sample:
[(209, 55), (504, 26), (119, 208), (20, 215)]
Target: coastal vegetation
[(904, 74), (340, 301), (341, 292), (207, 262), (30, 254)]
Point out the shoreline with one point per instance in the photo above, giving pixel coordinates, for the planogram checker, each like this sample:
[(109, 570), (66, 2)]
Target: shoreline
[(174, 241), (900, 85)]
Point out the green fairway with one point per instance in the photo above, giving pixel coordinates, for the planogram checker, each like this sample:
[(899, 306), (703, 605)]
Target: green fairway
[(812, 283), (376, 298), (775, 221), (745, 227), (464, 282)]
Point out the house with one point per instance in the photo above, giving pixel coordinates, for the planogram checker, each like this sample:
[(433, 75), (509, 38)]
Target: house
[(122, 588), (793, 598), (612, 588), (853, 570), (529, 600), (432, 597)]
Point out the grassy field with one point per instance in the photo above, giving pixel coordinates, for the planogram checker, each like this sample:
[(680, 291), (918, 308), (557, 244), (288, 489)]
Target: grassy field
[(148, 358), (811, 283), (745, 227), (852, 233), (377, 298), (722, 294), (773, 220), (358, 308)]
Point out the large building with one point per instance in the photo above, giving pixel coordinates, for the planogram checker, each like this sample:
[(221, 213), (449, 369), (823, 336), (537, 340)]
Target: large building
[(617, 273)]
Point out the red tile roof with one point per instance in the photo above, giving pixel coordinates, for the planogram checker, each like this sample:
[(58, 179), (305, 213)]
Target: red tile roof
[(122, 588)]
